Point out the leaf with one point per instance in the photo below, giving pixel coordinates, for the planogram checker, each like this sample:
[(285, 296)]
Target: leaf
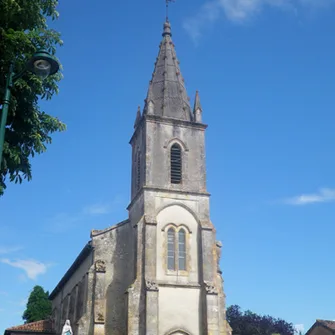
[(24, 30)]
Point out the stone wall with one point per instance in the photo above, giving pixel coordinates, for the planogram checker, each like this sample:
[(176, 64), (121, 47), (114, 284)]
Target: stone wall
[(160, 135), (71, 302), (179, 309), (114, 248)]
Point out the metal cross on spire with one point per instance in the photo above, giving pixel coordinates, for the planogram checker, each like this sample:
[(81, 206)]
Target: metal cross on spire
[(167, 8)]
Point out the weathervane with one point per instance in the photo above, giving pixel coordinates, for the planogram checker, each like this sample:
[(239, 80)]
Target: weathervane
[(167, 8)]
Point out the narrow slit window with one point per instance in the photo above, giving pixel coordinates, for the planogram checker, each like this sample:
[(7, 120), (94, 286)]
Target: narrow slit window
[(138, 171), (176, 164), (171, 236), (182, 250)]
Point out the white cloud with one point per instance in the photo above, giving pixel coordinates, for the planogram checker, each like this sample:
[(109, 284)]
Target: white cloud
[(207, 15), (323, 195), (8, 250), (299, 328), (31, 267), (239, 11)]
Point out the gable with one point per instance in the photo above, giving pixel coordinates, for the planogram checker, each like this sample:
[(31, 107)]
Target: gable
[(319, 329)]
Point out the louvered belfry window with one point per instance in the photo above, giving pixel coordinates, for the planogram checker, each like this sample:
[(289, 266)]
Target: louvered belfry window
[(176, 164)]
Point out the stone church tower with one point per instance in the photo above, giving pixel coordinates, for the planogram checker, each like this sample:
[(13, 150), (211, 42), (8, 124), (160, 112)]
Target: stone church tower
[(156, 273)]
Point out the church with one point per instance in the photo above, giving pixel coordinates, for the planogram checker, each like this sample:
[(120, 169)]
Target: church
[(157, 272)]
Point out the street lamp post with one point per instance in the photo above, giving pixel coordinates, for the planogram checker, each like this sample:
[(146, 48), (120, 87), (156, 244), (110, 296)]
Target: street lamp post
[(43, 65)]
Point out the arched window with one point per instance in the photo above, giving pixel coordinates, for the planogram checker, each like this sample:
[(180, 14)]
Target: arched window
[(176, 249), (176, 164), (182, 250), (138, 171), (171, 243)]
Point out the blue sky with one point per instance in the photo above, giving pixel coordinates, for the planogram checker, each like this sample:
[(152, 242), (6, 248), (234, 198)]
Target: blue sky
[(266, 76)]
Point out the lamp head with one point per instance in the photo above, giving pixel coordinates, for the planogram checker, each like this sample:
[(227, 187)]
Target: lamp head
[(43, 64)]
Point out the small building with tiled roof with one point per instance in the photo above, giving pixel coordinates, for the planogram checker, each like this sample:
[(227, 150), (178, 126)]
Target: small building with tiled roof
[(38, 327), (322, 327)]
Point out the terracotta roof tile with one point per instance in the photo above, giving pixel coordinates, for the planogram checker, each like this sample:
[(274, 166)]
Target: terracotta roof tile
[(43, 326)]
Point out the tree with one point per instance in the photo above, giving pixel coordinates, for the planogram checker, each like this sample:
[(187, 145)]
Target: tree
[(38, 305), (23, 30), (249, 323)]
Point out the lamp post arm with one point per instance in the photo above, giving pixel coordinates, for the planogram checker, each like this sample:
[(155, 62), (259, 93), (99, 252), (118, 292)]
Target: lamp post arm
[(5, 107), (18, 75)]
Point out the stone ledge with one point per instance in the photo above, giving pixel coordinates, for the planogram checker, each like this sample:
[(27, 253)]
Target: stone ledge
[(180, 191), (181, 285), (172, 121), (208, 228), (150, 220), (164, 190)]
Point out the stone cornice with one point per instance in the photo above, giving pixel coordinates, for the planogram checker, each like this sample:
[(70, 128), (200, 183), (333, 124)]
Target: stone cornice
[(171, 121), (160, 189), (150, 220), (166, 120), (207, 228), (181, 285)]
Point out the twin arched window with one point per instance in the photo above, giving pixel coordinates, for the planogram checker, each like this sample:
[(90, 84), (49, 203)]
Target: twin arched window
[(176, 253), (175, 164)]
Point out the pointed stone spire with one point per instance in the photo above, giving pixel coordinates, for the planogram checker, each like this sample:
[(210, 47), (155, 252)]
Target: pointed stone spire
[(197, 104), (138, 117), (197, 110), (167, 96)]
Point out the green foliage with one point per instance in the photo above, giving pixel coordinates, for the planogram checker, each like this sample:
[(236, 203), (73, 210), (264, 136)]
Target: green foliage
[(249, 323), (23, 30), (38, 306)]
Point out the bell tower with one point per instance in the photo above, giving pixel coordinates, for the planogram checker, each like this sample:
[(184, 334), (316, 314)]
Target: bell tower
[(178, 288), (167, 130)]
